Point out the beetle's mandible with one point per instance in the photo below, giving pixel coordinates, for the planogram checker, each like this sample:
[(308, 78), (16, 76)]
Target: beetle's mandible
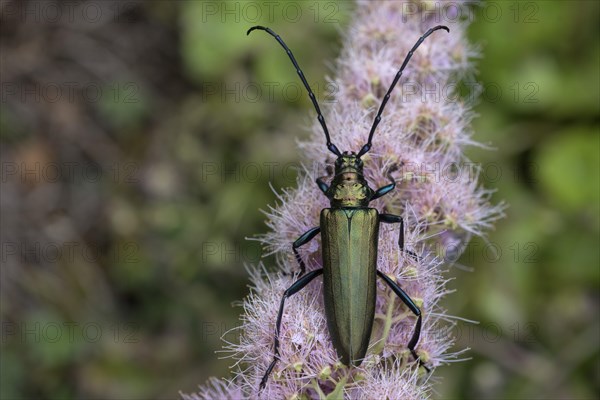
[(349, 231)]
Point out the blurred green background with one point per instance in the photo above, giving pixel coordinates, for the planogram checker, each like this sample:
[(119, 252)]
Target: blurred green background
[(138, 140)]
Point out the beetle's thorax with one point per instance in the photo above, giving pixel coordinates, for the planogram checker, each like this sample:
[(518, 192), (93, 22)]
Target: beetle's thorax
[(349, 188)]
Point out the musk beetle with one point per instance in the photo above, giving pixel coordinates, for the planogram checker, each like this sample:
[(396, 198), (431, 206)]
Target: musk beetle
[(349, 231)]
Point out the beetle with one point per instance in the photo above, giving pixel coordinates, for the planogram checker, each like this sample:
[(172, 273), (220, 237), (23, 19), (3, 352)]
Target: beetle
[(350, 231)]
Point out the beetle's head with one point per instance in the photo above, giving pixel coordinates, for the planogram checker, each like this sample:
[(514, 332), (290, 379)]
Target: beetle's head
[(348, 162), (349, 187)]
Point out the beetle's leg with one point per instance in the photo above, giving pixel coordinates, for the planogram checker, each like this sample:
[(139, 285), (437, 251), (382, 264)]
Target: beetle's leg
[(413, 307), (301, 241), (296, 287), (382, 191), (322, 185), (321, 180), (394, 219)]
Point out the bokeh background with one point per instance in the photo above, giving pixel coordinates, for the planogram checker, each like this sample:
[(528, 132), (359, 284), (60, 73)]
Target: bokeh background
[(138, 141)]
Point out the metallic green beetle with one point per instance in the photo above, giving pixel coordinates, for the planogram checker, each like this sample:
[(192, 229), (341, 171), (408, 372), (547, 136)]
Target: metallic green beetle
[(350, 232)]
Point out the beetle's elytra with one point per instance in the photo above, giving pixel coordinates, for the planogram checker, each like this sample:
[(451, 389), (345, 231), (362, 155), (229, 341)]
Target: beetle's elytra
[(349, 233), (349, 243)]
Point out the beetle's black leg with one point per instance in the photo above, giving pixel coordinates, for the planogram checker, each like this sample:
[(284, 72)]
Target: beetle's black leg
[(413, 307), (382, 191), (296, 287), (321, 180), (301, 241), (394, 219), (322, 185)]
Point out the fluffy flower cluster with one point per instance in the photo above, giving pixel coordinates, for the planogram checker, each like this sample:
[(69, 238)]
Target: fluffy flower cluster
[(423, 132)]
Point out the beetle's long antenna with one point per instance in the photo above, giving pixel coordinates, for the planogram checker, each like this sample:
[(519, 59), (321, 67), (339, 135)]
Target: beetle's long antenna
[(332, 147), (367, 146)]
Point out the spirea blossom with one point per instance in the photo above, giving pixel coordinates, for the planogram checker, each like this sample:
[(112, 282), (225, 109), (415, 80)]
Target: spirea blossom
[(423, 133)]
